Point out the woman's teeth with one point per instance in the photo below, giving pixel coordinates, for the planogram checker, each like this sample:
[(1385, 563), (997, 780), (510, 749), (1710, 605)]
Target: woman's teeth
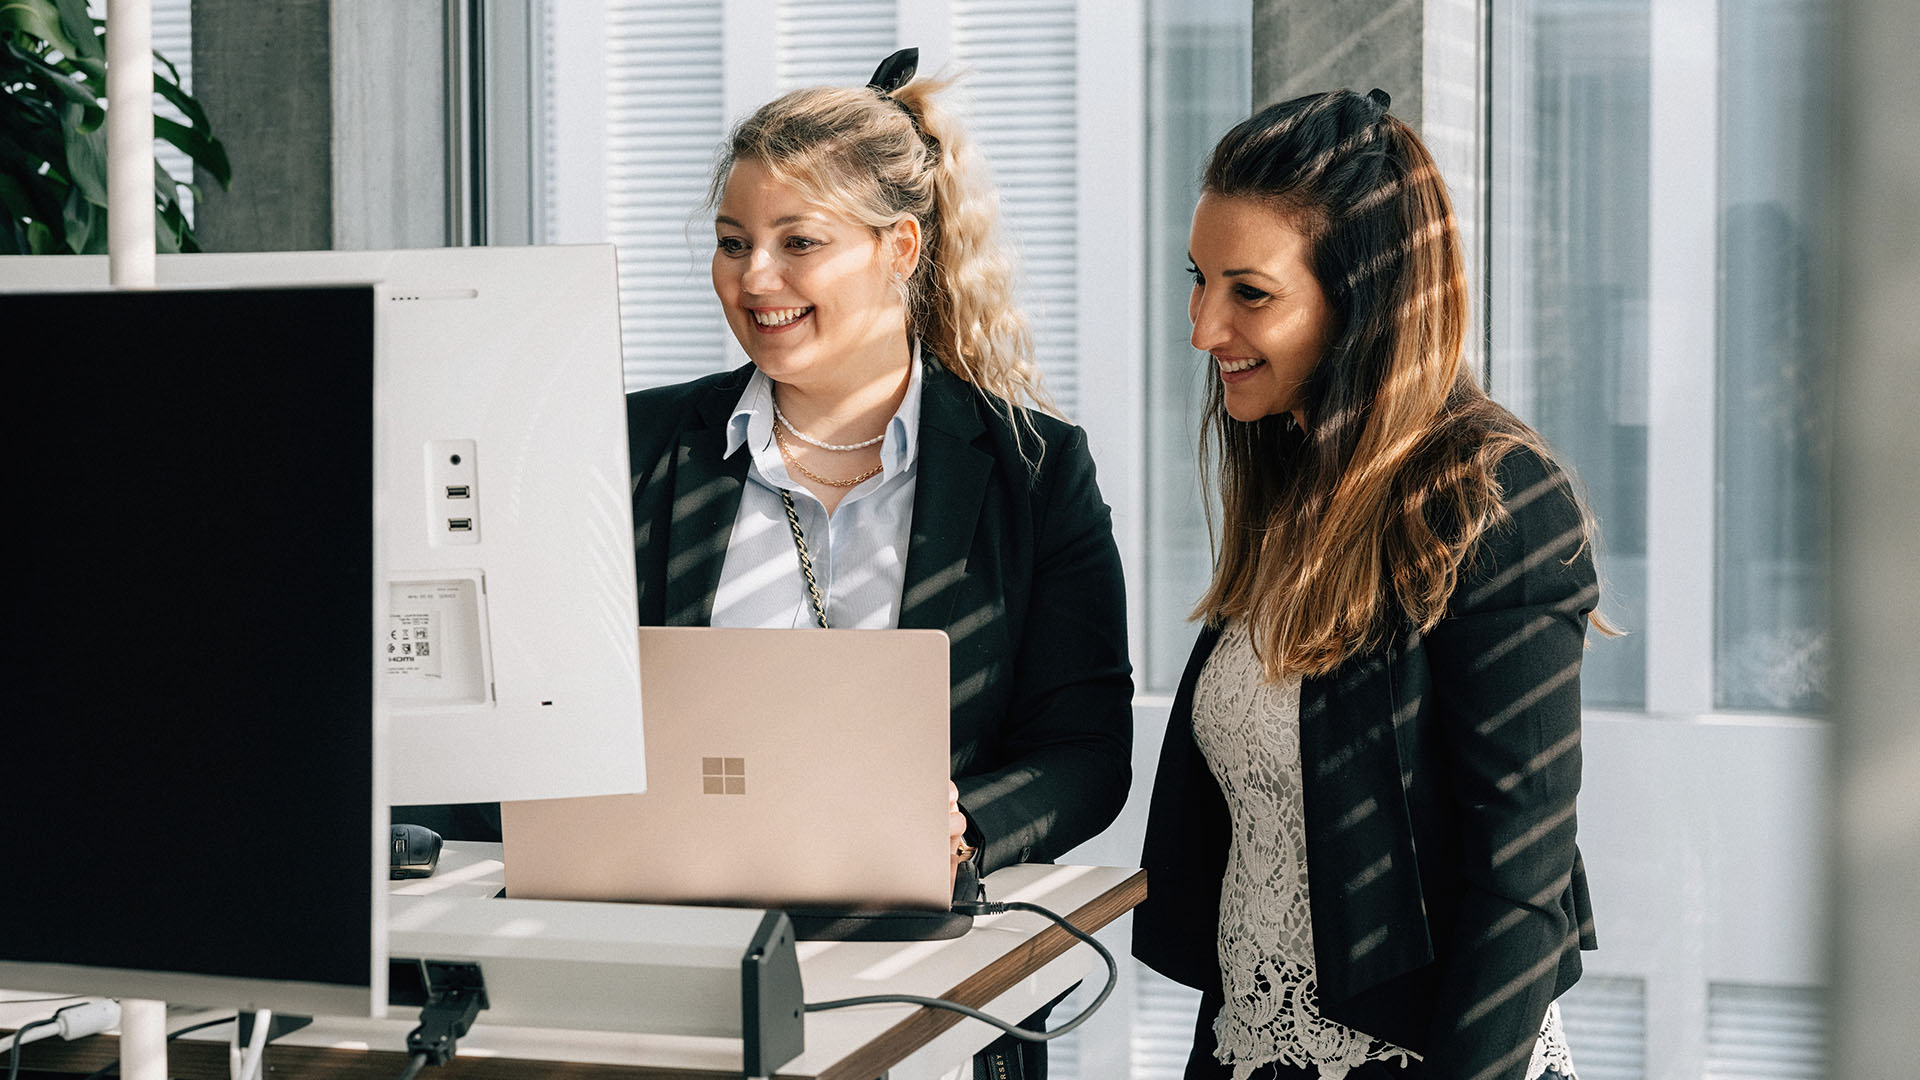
[(779, 316), (1242, 364)]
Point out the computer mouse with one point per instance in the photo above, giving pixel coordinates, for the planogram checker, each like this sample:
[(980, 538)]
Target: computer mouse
[(415, 851)]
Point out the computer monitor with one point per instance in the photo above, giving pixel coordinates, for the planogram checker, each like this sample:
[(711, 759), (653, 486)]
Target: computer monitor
[(191, 798), (509, 660)]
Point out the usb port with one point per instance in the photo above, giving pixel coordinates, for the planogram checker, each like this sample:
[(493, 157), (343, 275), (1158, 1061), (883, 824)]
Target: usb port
[(460, 524), (459, 491)]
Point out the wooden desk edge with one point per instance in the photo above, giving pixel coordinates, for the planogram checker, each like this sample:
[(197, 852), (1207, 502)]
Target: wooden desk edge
[(988, 983), (201, 1059)]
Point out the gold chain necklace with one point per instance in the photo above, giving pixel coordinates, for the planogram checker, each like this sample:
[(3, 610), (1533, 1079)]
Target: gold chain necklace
[(787, 453), (806, 560)]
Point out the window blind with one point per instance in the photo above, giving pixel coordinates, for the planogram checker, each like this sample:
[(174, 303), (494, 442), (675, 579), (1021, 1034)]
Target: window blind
[(664, 122), (1606, 1026), (1164, 1013), (832, 42), (1023, 54), (1765, 1033)]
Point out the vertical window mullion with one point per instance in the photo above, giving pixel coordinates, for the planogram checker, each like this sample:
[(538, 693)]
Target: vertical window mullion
[(1683, 209), (579, 135), (1110, 282)]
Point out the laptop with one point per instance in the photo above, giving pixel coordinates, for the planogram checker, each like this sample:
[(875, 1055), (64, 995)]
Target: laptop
[(797, 769)]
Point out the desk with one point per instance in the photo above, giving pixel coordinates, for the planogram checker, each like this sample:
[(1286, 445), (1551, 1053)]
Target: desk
[(1008, 964)]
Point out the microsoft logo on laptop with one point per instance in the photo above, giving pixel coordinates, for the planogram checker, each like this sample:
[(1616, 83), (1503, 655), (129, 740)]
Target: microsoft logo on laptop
[(723, 776)]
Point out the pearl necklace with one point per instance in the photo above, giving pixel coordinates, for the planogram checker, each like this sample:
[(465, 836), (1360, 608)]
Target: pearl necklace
[(787, 453), (811, 441)]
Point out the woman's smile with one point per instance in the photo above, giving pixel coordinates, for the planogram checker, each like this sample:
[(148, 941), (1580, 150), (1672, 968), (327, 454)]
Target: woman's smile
[(778, 320), (1237, 368)]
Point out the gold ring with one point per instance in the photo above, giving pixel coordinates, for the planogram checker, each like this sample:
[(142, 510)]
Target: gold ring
[(963, 850)]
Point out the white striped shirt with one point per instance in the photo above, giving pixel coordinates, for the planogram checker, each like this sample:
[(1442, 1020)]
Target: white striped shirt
[(859, 554)]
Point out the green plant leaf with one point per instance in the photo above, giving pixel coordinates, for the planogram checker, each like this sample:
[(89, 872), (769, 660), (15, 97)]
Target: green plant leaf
[(50, 77), (80, 219), (206, 152), (79, 27), (166, 233), (45, 191), (41, 240), (38, 19), (86, 159), (165, 192), (167, 85), (94, 70)]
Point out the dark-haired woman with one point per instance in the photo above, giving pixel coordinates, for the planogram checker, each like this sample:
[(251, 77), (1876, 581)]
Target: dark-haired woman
[(1361, 838)]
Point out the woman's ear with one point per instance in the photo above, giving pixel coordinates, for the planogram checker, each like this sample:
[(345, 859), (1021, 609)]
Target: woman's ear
[(903, 246)]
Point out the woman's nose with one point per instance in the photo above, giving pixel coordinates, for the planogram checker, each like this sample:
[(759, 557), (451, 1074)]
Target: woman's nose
[(762, 273), (1210, 331)]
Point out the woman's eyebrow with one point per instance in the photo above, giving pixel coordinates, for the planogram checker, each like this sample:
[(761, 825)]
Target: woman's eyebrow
[(722, 219)]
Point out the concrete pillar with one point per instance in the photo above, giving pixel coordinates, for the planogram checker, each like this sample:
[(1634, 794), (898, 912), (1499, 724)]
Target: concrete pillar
[(1876, 507), (263, 69), (1300, 46), (334, 117)]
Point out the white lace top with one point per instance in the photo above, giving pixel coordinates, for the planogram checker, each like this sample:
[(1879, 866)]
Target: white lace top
[(1249, 731)]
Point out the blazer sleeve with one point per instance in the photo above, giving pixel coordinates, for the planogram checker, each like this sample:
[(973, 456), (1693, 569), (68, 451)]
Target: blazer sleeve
[(1506, 680), (1067, 736)]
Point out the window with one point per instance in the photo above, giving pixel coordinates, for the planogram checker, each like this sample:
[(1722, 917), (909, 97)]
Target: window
[(1199, 84), (1661, 282)]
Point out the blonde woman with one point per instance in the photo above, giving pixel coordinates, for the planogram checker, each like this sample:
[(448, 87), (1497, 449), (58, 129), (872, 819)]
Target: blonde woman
[(1361, 838), (890, 437)]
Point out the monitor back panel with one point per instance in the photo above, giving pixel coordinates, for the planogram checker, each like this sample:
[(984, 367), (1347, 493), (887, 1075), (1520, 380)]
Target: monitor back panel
[(785, 768)]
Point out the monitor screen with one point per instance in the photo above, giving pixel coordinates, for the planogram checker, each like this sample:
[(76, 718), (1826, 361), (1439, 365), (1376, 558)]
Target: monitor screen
[(191, 803), (508, 657)]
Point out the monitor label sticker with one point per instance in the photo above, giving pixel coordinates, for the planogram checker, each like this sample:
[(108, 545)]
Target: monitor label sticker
[(415, 634)]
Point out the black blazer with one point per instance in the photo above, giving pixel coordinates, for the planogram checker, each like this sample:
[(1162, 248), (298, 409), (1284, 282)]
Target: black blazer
[(1438, 775), (1017, 564)]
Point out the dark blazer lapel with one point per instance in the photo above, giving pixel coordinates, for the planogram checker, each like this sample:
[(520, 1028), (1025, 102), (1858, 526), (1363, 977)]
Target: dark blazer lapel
[(1369, 918), (706, 500), (947, 498)]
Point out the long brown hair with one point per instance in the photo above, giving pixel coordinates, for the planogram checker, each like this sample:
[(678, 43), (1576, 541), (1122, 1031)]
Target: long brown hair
[(1336, 536)]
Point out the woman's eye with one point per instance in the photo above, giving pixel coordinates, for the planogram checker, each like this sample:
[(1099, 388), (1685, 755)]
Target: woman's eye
[(1248, 293), (801, 243), (732, 245), (1194, 273)]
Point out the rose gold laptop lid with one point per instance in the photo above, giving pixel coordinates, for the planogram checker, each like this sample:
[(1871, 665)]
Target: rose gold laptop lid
[(785, 768)]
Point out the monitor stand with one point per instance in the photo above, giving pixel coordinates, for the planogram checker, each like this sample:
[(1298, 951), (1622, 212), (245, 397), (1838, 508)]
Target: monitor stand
[(143, 1039)]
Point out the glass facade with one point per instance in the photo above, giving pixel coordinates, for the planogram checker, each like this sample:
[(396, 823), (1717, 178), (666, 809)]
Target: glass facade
[(1199, 83), (1775, 295), (1572, 323)]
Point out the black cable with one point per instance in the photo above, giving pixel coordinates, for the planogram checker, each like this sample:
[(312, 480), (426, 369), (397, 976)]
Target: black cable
[(414, 1065), (202, 1025), (13, 1065), (983, 908), (110, 1067)]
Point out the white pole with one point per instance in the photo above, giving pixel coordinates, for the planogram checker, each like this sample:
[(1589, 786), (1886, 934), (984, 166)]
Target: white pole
[(130, 224), (143, 1024), (143, 1040)]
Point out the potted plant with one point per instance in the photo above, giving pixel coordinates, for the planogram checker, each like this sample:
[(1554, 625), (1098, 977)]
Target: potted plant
[(53, 145)]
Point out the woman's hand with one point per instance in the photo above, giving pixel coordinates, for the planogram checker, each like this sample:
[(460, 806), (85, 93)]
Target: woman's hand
[(957, 849)]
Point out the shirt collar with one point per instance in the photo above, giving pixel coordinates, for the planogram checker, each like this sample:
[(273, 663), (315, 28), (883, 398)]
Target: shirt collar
[(752, 423)]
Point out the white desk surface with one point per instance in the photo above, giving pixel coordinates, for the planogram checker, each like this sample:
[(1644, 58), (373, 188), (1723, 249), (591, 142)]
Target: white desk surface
[(996, 960)]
